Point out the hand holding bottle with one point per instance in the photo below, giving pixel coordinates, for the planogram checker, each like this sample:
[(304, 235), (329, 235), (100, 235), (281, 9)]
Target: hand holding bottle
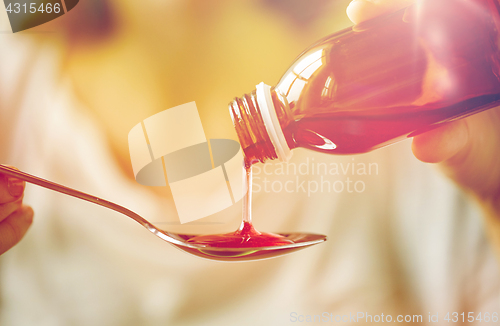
[(15, 218), (467, 150)]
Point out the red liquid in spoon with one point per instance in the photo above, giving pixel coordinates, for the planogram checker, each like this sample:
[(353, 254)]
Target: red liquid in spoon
[(246, 236)]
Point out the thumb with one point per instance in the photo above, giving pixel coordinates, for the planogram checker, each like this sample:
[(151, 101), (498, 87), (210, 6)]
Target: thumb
[(441, 144), (10, 188)]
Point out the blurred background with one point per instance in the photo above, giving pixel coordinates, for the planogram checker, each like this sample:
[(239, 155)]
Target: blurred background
[(71, 90), (156, 55)]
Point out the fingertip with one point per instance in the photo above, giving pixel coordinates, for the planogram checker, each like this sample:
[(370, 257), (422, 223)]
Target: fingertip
[(15, 187), (352, 10), (14, 227), (28, 214), (9, 208), (11, 188), (442, 143), (361, 10)]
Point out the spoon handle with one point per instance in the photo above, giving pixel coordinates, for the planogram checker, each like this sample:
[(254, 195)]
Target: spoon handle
[(75, 193)]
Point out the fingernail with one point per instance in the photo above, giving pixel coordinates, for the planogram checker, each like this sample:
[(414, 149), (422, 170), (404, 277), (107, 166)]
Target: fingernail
[(15, 187)]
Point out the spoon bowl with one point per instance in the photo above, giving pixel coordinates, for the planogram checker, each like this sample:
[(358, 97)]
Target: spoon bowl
[(299, 240)]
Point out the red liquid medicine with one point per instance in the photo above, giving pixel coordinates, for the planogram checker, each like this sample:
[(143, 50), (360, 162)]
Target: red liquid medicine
[(246, 236), (378, 82)]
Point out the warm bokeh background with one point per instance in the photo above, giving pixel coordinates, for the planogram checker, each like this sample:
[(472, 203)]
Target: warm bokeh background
[(159, 54)]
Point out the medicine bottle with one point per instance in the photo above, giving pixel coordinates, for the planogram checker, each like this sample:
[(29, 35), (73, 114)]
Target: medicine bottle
[(378, 82)]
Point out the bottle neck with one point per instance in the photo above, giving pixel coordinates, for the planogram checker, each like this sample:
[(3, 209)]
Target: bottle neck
[(258, 127)]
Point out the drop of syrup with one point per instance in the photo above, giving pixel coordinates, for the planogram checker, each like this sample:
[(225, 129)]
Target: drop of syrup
[(246, 236)]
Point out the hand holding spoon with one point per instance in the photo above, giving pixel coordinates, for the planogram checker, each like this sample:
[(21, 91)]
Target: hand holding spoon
[(296, 241)]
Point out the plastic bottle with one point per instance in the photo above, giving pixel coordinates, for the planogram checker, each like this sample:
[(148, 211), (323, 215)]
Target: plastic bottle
[(378, 82)]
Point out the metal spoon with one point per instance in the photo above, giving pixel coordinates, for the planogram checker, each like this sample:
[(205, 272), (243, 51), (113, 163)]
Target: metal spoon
[(300, 240)]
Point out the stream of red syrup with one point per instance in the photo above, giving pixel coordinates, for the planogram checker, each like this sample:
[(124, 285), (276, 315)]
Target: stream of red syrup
[(246, 236)]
